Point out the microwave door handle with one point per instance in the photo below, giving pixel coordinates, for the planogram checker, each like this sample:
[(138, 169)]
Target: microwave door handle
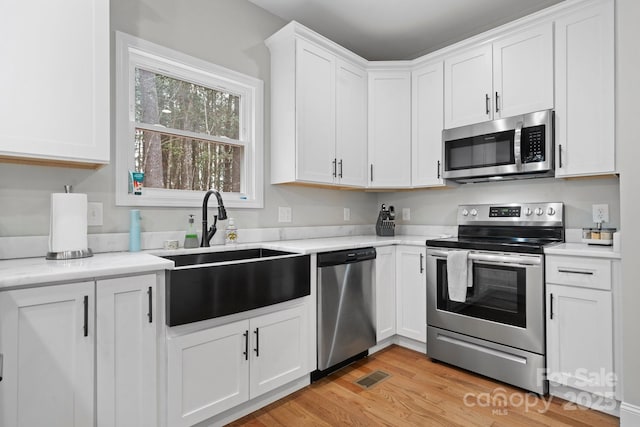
[(517, 150)]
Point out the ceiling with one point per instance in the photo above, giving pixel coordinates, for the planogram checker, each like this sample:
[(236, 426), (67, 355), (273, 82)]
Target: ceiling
[(400, 29)]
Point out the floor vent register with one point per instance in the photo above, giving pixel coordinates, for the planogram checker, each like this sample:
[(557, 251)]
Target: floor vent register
[(372, 379)]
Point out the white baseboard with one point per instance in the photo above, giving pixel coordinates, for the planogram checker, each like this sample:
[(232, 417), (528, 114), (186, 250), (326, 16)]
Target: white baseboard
[(255, 404), (629, 415), (405, 342), (583, 398)]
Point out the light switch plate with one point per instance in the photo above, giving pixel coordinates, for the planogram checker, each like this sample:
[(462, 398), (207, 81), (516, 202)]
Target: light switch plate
[(347, 214), (284, 214), (94, 214), (406, 214)]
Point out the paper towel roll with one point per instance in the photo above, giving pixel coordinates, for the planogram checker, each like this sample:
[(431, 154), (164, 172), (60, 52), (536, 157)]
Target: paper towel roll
[(68, 223)]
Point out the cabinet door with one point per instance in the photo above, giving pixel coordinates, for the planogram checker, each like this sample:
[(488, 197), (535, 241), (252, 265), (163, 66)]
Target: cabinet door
[(580, 338), (523, 72), (389, 128), (127, 351), (385, 292), (278, 349), (428, 121), (411, 284), (57, 84), (585, 105), (468, 87), (316, 113), (47, 340), (208, 373), (351, 124)]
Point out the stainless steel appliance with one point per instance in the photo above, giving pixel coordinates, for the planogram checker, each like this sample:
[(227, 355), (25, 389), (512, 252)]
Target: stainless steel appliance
[(509, 148), (498, 328), (346, 308)]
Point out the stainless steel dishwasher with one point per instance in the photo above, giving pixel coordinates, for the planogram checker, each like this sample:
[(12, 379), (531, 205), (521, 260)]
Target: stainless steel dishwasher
[(346, 308)]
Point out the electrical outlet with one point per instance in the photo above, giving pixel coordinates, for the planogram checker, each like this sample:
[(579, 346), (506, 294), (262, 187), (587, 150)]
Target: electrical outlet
[(284, 214), (406, 214), (94, 214), (347, 214), (600, 213)]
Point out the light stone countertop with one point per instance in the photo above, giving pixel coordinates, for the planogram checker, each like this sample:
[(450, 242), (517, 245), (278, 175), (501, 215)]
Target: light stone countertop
[(582, 250), (15, 273)]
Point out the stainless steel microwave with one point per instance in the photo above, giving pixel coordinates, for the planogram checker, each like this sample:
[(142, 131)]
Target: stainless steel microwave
[(510, 148)]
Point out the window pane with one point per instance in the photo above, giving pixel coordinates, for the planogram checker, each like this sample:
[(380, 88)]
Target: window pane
[(177, 104), (175, 162)]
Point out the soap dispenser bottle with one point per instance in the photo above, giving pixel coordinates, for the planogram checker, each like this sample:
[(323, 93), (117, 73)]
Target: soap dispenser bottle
[(231, 232), (191, 236)]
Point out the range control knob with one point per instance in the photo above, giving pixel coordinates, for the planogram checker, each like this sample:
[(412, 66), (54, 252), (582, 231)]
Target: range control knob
[(539, 211), (551, 211), (465, 212), (528, 212), (474, 212)]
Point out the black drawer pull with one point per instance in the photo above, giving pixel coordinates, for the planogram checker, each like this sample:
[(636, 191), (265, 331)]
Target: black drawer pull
[(587, 273)]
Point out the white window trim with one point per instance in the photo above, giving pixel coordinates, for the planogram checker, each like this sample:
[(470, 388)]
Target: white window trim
[(132, 51)]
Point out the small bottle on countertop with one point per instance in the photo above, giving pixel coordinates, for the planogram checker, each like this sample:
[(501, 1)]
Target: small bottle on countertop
[(231, 232), (190, 236)]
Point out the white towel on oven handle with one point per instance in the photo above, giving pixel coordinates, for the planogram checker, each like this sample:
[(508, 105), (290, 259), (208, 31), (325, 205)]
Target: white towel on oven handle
[(459, 276)]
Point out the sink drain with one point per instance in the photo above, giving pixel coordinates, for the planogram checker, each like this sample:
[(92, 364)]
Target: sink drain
[(372, 379)]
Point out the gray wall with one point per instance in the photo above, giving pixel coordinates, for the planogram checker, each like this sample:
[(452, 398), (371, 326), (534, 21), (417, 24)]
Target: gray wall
[(628, 111), (228, 33), (438, 206)]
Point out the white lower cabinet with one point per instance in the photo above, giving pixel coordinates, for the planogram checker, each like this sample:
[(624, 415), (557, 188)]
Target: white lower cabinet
[(411, 292), (385, 292), (47, 343), (216, 369), (126, 352), (580, 338), (580, 316)]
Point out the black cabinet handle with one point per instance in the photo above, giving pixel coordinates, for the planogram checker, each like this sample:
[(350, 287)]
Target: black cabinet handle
[(333, 166), (421, 263), (150, 313), (371, 172), (257, 349), (340, 164), (551, 306), (86, 316), (1, 364), (246, 345), (560, 155), (486, 103), (497, 108), (438, 169)]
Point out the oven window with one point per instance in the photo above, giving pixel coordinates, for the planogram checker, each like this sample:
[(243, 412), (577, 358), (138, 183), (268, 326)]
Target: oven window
[(480, 151), (498, 294)]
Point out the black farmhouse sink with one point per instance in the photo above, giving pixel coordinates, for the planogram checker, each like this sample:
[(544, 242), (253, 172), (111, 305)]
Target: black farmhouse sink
[(213, 284)]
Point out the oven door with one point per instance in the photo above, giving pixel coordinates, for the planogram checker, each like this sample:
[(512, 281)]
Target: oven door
[(504, 304)]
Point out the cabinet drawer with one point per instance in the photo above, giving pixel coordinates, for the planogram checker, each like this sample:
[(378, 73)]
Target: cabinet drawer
[(578, 271)]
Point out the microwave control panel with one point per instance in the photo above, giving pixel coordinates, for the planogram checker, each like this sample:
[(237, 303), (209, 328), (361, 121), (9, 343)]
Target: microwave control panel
[(532, 144)]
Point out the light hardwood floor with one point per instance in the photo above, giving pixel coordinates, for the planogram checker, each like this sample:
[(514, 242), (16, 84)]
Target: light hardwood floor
[(418, 393)]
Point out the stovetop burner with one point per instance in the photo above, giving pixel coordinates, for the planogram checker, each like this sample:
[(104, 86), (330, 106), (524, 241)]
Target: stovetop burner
[(522, 228)]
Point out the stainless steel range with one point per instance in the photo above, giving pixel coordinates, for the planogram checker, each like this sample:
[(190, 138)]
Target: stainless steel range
[(485, 291)]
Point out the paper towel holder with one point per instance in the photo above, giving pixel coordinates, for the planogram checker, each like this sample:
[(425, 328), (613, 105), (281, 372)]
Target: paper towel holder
[(81, 253)]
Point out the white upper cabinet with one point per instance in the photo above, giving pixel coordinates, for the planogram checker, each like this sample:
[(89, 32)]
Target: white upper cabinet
[(427, 123), (315, 112), (389, 128), (513, 75), (318, 111), (467, 87), (351, 124), (585, 104), (523, 72), (55, 82)]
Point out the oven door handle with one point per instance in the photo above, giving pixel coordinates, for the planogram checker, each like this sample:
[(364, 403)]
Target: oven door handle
[(494, 258)]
